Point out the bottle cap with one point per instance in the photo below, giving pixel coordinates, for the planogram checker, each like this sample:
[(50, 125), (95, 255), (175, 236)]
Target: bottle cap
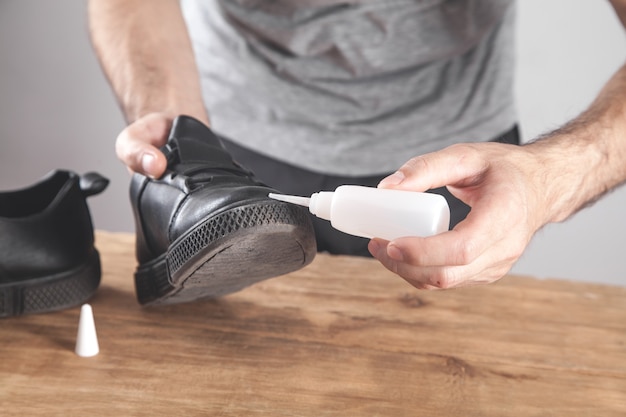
[(86, 339)]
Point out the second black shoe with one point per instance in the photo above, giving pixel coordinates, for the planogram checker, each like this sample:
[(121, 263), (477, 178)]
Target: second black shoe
[(207, 227), (48, 260)]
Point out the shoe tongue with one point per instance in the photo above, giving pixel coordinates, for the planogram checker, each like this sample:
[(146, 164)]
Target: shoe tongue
[(192, 142), (189, 149), (193, 150)]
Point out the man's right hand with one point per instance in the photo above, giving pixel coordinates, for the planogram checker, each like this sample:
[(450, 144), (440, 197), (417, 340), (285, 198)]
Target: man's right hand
[(137, 146)]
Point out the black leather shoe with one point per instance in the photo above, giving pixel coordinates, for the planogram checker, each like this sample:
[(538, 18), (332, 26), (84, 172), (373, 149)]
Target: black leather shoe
[(207, 227), (48, 260)]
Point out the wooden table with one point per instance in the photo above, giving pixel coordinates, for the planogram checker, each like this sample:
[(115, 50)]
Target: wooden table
[(342, 336)]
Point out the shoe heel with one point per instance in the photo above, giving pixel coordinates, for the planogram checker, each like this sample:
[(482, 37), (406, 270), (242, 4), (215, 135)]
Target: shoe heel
[(53, 293), (152, 281)]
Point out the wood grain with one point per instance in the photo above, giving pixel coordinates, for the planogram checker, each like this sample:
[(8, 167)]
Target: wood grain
[(342, 336)]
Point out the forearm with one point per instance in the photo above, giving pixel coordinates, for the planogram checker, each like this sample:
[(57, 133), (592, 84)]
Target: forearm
[(145, 52), (587, 157)]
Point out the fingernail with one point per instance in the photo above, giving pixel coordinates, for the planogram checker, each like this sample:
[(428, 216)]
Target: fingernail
[(373, 247), (395, 253), (393, 179), (147, 164)]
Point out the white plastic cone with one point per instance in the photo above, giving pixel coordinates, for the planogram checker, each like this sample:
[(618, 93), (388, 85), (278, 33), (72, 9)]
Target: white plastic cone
[(86, 339)]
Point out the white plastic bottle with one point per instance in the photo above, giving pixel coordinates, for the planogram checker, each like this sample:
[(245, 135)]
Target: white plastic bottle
[(375, 212)]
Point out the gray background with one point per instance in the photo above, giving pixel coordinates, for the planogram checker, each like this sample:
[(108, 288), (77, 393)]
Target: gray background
[(56, 111)]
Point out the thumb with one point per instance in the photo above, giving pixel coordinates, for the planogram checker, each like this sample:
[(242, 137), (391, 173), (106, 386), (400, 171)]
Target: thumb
[(137, 145), (457, 165)]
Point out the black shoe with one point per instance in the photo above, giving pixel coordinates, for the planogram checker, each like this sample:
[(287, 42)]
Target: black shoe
[(48, 260), (207, 227)]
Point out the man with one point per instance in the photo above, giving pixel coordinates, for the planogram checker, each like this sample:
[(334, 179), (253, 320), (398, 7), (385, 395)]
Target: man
[(350, 90)]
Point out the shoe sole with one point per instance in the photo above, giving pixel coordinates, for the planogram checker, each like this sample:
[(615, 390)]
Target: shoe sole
[(228, 252), (51, 293)]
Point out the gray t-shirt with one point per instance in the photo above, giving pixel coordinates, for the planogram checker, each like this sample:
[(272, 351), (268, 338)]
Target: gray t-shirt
[(354, 87)]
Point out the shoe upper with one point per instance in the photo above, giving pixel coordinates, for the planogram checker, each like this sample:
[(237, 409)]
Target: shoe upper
[(201, 180), (46, 228)]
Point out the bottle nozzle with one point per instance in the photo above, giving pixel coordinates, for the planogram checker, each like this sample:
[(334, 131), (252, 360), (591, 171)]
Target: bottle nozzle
[(301, 201)]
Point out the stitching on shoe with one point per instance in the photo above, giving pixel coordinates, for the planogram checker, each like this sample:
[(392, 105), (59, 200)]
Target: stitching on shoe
[(175, 215)]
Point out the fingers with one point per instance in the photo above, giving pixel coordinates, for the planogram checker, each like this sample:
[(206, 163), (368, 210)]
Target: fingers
[(482, 270), (455, 165), (460, 246), (137, 145), (453, 248), (447, 249), (480, 249)]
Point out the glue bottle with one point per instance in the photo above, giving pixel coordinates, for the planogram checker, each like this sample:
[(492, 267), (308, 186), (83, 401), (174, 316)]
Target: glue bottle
[(376, 212)]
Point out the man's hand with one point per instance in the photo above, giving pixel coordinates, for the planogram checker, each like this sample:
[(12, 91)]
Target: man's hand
[(513, 192), (496, 180), (138, 144)]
